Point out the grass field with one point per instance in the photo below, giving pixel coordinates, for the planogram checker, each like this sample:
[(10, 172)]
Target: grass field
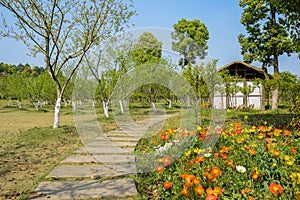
[(30, 148)]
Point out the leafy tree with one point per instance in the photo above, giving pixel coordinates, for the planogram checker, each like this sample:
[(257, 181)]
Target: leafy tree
[(288, 87), (270, 33), (64, 31), (107, 64), (190, 41), (147, 50)]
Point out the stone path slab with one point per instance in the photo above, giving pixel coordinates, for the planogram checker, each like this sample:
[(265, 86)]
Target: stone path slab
[(109, 144), (85, 189), (67, 171), (99, 159), (104, 150)]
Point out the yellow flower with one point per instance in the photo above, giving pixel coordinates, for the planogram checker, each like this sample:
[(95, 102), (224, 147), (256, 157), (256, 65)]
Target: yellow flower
[(295, 177), (265, 123), (199, 128), (197, 150), (240, 140), (228, 111), (187, 153), (246, 117), (291, 161), (274, 164), (277, 132)]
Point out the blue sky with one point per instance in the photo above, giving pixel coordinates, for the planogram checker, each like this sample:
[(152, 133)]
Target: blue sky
[(222, 18)]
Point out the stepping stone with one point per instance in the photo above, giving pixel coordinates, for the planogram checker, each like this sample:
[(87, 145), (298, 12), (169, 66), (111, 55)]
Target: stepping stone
[(104, 150), (115, 143), (99, 159), (65, 171), (124, 139), (85, 189)]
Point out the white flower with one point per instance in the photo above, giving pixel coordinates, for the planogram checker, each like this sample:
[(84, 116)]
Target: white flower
[(240, 168), (207, 155)]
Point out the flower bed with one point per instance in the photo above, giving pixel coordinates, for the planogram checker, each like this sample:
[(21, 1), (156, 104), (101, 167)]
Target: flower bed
[(258, 162)]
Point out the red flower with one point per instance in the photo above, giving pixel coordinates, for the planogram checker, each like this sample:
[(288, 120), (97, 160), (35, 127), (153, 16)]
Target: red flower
[(275, 188), (211, 197), (167, 185)]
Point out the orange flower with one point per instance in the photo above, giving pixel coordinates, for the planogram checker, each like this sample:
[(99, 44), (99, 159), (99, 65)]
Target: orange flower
[(215, 171), (275, 188), (199, 190), (224, 149), (294, 152), (159, 168), (255, 176), (216, 155), (263, 129), (286, 133), (216, 191), (224, 157), (230, 162), (261, 136), (201, 135), (185, 191), (163, 136), (246, 191), (167, 185), (237, 125), (167, 161), (252, 151), (209, 191), (250, 198), (199, 159)]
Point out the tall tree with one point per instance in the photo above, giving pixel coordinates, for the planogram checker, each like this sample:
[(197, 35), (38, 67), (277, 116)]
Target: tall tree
[(63, 31), (147, 50), (190, 40), (270, 33)]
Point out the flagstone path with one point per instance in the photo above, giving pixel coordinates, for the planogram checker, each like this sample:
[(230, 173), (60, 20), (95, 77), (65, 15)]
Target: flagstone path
[(103, 168)]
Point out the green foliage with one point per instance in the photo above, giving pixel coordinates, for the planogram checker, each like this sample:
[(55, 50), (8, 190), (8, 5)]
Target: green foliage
[(295, 124), (265, 25), (190, 40), (147, 49)]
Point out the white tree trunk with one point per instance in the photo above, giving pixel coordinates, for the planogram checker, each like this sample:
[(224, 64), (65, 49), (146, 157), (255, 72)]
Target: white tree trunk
[(93, 103), (74, 105), (105, 109), (170, 103), (57, 113), (66, 103), (121, 106), (154, 107), (36, 105), (20, 104)]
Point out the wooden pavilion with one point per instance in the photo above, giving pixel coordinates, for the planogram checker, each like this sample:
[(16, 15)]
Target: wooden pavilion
[(237, 99)]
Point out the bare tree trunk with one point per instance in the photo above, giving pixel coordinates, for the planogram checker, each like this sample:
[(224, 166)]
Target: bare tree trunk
[(36, 105), (57, 112), (105, 108), (275, 92), (121, 106), (170, 103), (153, 105)]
